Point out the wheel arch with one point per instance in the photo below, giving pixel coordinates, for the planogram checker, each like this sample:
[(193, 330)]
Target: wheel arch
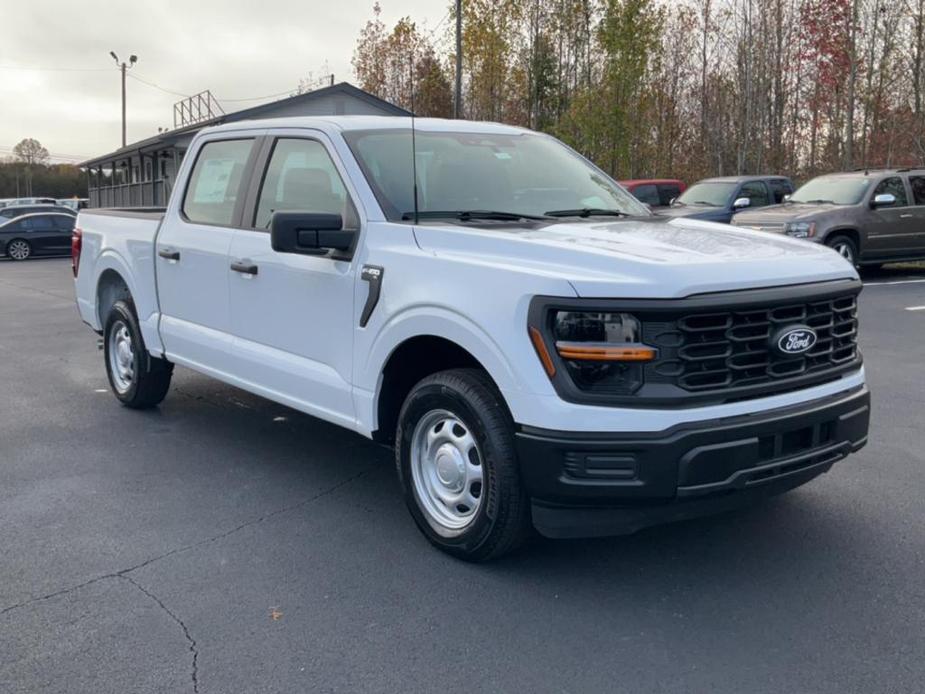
[(111, 287), (849, 231)]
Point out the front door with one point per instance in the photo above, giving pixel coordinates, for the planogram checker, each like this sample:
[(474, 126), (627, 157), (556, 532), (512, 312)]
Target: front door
[(292, 315), (192, 256), (891, 230)]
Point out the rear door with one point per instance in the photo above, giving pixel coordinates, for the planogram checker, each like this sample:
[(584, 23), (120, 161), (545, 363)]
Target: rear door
[(891, 230), (192, 253), (917, 184), (293, 318)]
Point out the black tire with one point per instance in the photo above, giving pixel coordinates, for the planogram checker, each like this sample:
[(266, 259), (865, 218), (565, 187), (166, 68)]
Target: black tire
[(501, 521), (17, 244), (844, 246), (150, 376)]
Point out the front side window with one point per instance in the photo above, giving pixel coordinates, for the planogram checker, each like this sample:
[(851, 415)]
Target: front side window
[(667, 193), (301, 176), (892, 186), (516, 173), (215, 182), (756, 192), (779, 190), (647, 193)]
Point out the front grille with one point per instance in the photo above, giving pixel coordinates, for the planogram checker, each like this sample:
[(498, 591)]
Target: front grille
[(721, 350)]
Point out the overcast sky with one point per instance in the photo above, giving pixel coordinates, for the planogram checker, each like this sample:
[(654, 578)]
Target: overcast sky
[(64, 88)]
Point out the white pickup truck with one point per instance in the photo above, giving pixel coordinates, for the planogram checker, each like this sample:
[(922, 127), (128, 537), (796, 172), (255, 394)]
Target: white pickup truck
[(541, 350)]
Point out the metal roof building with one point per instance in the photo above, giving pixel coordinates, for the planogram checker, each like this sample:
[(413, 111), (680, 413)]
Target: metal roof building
[(142, 174)]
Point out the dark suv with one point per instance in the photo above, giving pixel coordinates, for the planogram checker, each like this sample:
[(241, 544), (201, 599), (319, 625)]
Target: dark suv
[(717, 199), (869, 217)]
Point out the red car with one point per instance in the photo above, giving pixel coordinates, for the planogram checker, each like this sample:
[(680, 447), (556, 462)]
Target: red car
[(655, 192)]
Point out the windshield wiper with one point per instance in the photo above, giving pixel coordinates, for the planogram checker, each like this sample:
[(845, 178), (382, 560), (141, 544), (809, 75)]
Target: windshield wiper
[(816, 202), (704, 202), (587, 212), (466, 215)]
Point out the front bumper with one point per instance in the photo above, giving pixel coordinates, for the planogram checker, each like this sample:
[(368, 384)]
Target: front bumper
[(587, 484)]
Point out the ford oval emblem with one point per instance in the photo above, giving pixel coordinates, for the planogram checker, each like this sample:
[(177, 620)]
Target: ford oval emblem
[(795, 340)]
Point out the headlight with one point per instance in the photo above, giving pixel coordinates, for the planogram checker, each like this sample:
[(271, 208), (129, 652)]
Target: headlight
[(602, 352), (800, 230)]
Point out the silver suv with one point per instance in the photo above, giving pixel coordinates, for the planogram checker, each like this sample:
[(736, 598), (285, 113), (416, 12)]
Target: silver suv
[(870, 217)]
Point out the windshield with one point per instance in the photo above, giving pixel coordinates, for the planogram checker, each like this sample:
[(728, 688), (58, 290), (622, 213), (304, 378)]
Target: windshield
[(838, 190), (712, 194), (515, 174)]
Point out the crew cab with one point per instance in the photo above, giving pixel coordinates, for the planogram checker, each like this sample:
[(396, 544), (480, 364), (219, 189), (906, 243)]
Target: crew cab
[(541, 351), (869, 217), (718, 199)]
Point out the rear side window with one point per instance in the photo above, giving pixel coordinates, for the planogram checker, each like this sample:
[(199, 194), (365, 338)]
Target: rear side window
[(63, 223), (647, 193), (893, 186), (216, 182), (301, 176), (918, 189), (667, 192)]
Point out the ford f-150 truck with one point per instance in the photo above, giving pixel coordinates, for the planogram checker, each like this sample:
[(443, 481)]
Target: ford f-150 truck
[(541, 351)]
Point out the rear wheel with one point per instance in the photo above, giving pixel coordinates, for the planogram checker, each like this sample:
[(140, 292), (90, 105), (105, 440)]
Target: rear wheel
[(456, 462), (845, 247), (137, 379), (18, 249)]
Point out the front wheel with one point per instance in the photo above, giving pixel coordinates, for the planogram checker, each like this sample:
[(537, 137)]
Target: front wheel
[(457, 466), (18, 249), (845, 247), (137, 379)]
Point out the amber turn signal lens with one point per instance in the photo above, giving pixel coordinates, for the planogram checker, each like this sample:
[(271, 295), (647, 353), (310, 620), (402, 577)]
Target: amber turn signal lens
[(596, 351), (540, 346)]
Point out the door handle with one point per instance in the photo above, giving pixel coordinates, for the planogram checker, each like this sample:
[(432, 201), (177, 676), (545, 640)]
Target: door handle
[(245, 267), (906, 216), (168, 254)]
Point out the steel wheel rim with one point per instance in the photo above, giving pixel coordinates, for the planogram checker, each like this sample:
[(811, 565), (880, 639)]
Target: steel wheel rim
[(18, 250), (121, 357), (447, 471)]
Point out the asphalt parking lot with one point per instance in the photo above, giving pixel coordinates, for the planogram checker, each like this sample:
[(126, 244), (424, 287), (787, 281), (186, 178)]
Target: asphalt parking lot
[(223, 543)]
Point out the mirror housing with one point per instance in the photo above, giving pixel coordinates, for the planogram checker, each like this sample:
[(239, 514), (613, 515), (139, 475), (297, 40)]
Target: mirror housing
[(883, 200), (787, 197), (740, 203), (309, 233)]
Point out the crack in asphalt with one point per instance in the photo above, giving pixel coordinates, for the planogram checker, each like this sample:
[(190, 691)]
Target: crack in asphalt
[(189, 639), (123, 573)]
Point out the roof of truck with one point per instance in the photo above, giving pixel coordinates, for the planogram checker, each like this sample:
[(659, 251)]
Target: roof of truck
[(347, 123), (740, 179)]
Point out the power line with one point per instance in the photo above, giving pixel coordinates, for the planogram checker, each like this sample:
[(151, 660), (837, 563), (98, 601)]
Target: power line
[(135, 76), (55, 69)]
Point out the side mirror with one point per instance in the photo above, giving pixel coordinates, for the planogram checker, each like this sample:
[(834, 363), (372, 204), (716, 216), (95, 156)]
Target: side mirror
[(787, 197), (740, 203), (309, 233), (883, 200)]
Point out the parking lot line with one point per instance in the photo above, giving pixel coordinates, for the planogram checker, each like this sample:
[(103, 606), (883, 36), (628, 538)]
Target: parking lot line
[(915, 308), (874, 284)]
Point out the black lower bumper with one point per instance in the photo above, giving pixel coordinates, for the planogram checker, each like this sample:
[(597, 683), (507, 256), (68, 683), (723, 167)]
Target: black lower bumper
[(585, 484)]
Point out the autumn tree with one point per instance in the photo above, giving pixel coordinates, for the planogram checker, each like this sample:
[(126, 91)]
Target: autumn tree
[(30, 152)]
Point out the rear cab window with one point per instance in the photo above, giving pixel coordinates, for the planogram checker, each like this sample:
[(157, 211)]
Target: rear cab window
[(216, 182)]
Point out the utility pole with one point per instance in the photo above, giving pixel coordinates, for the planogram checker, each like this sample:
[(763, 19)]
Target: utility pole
[(457, 102), (132, 59)]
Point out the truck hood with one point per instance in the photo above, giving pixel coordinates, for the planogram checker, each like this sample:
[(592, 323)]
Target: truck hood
[(640, 258), (778, 215)]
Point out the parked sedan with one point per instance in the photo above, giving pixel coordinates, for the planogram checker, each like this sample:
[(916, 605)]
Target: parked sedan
[(717, 199), (13, 211), (36, 234)]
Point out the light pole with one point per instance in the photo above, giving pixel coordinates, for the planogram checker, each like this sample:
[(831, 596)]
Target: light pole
[(132, 59), (457, 97)]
